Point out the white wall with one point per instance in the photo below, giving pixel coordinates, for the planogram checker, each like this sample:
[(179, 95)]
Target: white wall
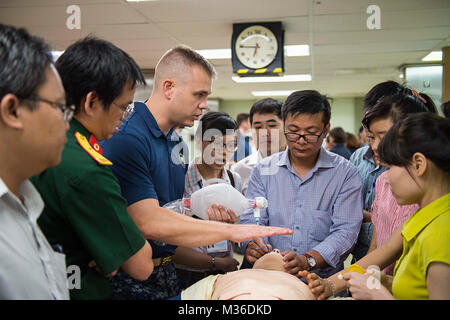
[(343, 114)]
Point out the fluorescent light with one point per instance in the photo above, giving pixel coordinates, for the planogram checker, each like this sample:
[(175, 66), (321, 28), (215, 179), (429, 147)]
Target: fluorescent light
[(272, 93), (286, 78), (297, 50), (290, 51), (215, 53), (433, 56)]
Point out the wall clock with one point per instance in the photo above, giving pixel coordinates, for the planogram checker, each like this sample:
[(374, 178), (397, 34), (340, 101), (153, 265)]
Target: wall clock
[(258, 48)]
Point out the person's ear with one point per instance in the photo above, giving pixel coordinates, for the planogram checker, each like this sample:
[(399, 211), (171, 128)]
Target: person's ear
[(11, 111), (419, 164), (168, 88), (91, 103), (327, 130)]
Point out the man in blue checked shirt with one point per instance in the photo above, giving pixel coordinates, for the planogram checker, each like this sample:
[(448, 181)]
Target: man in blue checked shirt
[(310, 190)]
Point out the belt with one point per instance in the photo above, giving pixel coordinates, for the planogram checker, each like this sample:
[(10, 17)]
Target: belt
[(163, 261)]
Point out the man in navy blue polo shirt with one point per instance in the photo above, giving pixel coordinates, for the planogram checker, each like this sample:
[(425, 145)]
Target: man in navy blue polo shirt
[(149, 159)]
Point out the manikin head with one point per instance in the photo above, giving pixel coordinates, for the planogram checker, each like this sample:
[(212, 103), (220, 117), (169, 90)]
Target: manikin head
[(270, 261), (267, 280)]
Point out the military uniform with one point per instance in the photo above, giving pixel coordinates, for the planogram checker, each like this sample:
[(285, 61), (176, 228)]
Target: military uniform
[(86, 214)]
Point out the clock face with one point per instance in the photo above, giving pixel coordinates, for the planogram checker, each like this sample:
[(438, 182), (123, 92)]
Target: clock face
[(256, 47)]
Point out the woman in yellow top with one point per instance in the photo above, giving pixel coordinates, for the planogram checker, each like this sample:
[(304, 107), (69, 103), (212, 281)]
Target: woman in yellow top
[(417, 151)]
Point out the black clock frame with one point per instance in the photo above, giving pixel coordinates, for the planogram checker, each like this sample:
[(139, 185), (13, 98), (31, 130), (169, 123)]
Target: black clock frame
[(276, 68)]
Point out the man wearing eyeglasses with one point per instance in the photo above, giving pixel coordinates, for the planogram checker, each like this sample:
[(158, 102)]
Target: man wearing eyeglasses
[(33, 125), (85, 214), (310, 190)]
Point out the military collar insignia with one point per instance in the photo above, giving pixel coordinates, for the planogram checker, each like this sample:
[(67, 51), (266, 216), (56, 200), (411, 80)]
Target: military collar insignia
[(92, 150)]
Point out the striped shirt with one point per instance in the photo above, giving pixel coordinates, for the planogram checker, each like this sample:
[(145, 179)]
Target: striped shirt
[(324, 209), (193, 182), (387, 215), (369, 172)]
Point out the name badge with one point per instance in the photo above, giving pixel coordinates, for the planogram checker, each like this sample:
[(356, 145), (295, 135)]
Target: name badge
[(221, 246)]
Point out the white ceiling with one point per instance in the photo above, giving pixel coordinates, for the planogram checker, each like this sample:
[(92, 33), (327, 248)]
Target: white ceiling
[(346, 58)]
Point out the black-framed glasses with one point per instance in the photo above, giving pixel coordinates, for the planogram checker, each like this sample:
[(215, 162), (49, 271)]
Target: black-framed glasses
[(66, 110), (294, 137), (229, 147), (126, 110)]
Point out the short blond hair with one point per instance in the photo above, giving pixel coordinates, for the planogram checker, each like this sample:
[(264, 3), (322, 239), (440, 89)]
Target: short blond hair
[(178, 60)]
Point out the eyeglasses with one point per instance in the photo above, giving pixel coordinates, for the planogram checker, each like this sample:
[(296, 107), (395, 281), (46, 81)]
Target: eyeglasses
[(229, 147), (311, 138), (67, 111), (126, 110)]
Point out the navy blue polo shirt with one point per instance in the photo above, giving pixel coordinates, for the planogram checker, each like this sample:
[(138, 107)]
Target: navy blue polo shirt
[(147, 163)]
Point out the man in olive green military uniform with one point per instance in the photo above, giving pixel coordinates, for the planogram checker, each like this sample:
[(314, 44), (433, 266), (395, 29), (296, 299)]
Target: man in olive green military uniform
[(85, 214)]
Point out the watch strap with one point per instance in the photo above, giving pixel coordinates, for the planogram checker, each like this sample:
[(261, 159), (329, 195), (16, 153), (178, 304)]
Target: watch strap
[(308, 256)]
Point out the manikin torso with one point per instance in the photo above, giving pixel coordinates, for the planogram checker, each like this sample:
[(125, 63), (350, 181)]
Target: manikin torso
[(266, 281)]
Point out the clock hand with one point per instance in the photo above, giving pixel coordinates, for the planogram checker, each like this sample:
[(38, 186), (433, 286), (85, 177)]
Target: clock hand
[(256, 49)]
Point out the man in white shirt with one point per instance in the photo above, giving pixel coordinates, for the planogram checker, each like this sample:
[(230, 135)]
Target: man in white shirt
[(33, 124), (267, 126)]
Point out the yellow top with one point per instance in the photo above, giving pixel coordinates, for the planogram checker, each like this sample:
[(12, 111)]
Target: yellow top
[(426, 239)]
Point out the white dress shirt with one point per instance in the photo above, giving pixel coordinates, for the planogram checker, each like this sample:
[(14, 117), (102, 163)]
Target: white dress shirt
[(29, 268)]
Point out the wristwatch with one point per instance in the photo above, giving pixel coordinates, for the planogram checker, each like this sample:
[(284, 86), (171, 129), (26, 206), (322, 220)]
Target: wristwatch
[(310, 260)]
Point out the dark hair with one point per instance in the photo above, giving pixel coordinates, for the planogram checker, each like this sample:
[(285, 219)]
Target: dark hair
[(446, 109), (216, 120), (395, 107), (307, 101), (241, 117), (361, 128), (23, 60), (338, 135), (380, 90), (426, 133), (266, 106), (93, 64), (429, 103)]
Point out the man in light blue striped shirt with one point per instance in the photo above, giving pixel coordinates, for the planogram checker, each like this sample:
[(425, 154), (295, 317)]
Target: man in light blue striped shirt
[(315, 193)]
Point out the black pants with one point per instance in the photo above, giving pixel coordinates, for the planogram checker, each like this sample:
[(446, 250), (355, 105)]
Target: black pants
[(161, 285)]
